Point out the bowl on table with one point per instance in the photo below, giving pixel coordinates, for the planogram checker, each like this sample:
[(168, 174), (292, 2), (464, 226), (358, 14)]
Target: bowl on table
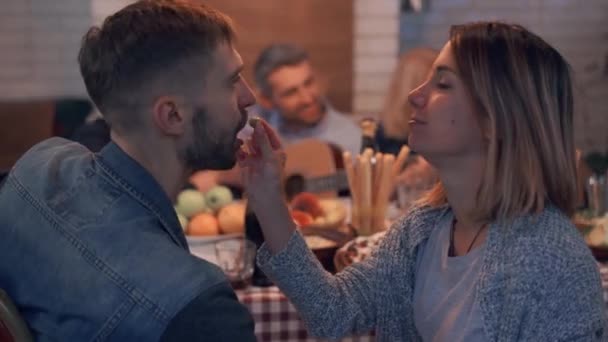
[(325, 242), (595, 232)]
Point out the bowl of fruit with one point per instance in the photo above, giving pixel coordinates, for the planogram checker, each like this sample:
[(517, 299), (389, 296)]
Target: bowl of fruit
[(310, 211), (211, 215), (322, 223)]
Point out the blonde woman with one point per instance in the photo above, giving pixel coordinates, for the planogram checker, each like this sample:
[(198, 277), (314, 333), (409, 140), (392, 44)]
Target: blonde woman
[(490, 254), (412, 69), (393, 128)]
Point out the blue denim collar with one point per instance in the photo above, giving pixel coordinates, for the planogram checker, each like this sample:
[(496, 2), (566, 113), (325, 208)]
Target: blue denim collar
[(140, 185)]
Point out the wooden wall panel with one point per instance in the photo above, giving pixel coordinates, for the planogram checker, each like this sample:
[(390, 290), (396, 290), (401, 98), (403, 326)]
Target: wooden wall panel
[(22, 125), (323, 27)]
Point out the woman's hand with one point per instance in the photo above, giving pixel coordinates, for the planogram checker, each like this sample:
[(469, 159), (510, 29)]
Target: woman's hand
[(262, 163)]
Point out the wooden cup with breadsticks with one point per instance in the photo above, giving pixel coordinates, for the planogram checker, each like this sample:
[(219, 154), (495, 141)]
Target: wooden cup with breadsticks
[(371, 179)]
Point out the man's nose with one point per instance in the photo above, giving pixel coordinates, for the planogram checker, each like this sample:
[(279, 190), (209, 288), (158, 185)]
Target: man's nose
[(246, 97), (306, 96)]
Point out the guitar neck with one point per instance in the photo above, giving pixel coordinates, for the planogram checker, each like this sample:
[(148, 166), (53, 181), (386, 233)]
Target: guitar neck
[(337, 181)]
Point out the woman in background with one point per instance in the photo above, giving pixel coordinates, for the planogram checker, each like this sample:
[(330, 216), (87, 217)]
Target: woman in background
[(489, 254), (393, 128), (412, 69)]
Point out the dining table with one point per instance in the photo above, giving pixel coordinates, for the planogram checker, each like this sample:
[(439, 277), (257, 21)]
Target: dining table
[(277, 320)]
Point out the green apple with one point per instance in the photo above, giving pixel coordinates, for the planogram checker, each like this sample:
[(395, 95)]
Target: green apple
[(183, 221), (191, 202), (218, 196)]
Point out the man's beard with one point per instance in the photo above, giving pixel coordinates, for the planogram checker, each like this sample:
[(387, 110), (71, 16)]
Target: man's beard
[(209, 149)]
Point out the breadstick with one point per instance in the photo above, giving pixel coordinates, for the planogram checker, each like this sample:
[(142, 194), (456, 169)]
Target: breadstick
[(351, 176), (401, 157), (384, 191), (366, 197)]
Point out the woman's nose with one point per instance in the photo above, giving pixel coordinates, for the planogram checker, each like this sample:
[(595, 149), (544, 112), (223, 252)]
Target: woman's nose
[(417, 98)]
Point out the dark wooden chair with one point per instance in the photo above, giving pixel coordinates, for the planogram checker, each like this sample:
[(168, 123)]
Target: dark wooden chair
[(12, 326)]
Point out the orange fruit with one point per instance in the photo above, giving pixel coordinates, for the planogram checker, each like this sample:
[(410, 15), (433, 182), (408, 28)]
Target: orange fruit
[(232, 218), (308, 203), (301, 218), (203, 225)]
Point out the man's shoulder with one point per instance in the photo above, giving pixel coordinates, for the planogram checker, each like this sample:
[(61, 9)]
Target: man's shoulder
[(343, 120), (51, 170), (49, 155), (54, 145)]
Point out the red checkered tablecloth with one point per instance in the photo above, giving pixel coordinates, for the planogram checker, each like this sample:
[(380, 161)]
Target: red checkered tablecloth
[(276, 318)]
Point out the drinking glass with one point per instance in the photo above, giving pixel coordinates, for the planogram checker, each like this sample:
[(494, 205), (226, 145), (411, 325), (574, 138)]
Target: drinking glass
[(236, 257)]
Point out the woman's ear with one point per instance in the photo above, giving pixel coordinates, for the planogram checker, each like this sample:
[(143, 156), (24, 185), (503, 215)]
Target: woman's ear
[(169, 116)]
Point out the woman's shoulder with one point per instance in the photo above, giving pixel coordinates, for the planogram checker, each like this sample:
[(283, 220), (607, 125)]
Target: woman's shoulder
[(545, 243), (550, 227), (417, 223), (544, 260)]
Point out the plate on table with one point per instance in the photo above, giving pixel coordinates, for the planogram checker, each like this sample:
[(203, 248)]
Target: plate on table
[(595, 232), (325, 242), (202, 240), (203, 246)]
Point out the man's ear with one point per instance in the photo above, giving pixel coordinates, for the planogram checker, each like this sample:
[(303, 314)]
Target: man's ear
[(169, 116)]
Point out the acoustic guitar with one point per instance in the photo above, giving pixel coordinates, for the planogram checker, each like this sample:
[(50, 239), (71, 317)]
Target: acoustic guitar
[(314, 166), (311, 166)]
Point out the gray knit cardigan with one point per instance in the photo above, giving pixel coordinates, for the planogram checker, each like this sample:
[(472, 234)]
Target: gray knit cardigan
[(538, 282)]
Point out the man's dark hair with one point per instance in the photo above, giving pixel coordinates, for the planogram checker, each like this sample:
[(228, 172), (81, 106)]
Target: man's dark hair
[(274, 57), (146, 41)]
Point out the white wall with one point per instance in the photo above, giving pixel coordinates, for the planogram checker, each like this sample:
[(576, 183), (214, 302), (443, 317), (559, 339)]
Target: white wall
[(376, 45), (39, 42), (100, 9)]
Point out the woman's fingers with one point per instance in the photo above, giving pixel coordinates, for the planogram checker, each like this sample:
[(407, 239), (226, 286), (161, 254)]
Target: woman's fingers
[(261, 141), (275, 142), (252, 150)]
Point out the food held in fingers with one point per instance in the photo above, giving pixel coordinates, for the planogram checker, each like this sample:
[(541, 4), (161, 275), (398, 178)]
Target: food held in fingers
[(254, 121)]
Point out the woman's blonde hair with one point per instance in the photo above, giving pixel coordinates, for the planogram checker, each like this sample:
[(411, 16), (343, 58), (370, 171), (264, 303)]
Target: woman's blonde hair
[(521, 90), (412, 69)]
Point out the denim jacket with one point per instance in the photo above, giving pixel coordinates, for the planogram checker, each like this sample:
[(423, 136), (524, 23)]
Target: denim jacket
[(91, 248)]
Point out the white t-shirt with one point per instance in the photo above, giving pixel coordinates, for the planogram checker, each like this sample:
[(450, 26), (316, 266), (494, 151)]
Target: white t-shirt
[(445, 305)]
